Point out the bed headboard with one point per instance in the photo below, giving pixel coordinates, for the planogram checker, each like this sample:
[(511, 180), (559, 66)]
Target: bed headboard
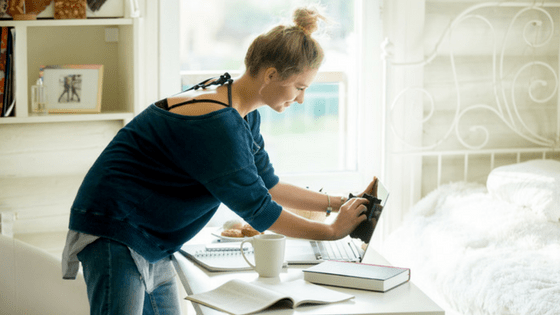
[(484, 95)]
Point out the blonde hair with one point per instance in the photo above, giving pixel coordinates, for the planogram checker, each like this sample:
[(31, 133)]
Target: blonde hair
[(289, 49)]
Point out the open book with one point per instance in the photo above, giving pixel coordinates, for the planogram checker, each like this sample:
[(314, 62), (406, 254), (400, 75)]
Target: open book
[(239, 297)]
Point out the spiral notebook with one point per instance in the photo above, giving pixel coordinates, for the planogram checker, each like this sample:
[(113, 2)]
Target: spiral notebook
[(219, 256)]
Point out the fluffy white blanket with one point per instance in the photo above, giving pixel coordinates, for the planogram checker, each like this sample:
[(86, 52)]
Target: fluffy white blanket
[(480, 255)]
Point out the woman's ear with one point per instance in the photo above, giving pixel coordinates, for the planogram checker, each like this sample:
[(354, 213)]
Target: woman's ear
[(270, 74)]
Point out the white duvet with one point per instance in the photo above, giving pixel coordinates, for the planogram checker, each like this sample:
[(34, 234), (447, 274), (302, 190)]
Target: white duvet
[(480, 254)]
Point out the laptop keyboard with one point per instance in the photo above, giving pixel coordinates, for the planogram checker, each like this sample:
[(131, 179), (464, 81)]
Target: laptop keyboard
[(334, 251)]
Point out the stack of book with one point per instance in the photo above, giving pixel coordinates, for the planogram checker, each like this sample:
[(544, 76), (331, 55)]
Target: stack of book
[(7, 82), (357, 275)]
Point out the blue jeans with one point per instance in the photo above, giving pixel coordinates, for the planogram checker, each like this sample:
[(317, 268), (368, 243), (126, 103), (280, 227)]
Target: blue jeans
[(116, 286)]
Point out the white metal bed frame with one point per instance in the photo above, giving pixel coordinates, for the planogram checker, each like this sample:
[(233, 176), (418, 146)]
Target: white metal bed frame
[(506, 111)]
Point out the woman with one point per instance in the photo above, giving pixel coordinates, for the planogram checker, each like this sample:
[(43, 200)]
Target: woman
[(165, 173)]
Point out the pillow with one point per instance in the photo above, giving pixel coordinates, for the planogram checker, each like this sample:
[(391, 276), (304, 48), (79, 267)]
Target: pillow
[(533, 184)]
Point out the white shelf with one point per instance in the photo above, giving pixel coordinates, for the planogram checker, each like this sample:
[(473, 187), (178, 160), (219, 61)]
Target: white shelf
[(52, 42), (57, 118), (68, 22)]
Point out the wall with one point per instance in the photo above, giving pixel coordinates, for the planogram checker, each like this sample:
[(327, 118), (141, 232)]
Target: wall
[(41, 167)]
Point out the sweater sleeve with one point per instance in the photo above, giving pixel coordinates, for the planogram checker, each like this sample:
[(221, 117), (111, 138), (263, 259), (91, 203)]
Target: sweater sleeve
[(235, 169)]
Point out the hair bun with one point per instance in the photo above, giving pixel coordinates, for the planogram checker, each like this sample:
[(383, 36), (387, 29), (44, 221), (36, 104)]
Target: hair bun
[(307, 19)]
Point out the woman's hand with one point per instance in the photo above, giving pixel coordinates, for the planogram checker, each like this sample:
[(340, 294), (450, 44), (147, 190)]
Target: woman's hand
[(351, 214)]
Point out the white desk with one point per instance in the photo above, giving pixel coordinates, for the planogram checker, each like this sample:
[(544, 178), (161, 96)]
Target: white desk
[(406, 299)]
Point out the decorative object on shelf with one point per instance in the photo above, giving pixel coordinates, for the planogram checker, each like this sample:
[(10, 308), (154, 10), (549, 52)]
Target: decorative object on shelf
[(107, 9), (94, 5), (70, 9), (134, 8), (4, 9), (26, 9), (73, 88), (39, 98)]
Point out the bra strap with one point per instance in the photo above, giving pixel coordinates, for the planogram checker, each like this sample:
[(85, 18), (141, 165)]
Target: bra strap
[(223, 79)]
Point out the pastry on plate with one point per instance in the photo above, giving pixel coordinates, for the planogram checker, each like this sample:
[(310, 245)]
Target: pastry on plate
[(249, 231), (232, 233)]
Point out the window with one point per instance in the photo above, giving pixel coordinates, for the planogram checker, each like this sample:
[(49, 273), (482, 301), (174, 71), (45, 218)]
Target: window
[(315, 137)]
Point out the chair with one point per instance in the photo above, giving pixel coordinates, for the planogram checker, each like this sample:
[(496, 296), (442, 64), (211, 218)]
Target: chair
[(31, 283)]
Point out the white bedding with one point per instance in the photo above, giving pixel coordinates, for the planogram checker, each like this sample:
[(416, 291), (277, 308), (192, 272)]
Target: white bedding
[(533, 184), (479, 254)]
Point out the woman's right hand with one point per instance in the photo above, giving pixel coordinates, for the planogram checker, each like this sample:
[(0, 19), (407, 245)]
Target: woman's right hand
[(351, 214)]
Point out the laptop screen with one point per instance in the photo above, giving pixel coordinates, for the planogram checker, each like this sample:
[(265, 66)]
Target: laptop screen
[(382, 194)]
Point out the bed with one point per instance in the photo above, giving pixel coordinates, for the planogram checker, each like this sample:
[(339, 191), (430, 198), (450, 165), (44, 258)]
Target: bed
[(487, 249), (477, 172)]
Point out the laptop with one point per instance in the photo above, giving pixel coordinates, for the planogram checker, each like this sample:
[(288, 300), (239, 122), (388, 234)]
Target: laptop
[(226, 256), (308, 252)]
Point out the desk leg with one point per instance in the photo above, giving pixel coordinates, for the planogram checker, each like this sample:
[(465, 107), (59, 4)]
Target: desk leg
[(184, 282)]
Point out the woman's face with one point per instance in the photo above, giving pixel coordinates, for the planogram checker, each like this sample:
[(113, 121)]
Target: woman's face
[(280, 94)]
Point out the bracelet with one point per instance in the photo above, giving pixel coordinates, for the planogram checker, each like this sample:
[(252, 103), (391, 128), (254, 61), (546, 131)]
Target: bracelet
[(329, 208)]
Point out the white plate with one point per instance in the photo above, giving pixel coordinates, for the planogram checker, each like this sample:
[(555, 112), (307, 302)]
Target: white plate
[(218, 233)]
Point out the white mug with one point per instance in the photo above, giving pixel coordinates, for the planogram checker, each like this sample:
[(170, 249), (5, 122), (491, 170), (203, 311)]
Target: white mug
[(269, 254)]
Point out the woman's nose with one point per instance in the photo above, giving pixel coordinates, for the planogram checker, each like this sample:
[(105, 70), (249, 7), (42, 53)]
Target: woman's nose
[(300, 97)]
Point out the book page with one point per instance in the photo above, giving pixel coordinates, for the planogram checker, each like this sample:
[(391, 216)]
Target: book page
[(237, 297), (302, 292)]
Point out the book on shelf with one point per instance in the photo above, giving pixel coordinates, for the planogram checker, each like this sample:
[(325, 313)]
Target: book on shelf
[(3, 55), (239, 297), (357, 275), (8, 83)]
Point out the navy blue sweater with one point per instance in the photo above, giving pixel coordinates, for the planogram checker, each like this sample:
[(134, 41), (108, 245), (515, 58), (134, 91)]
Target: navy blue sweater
[(163, 176)]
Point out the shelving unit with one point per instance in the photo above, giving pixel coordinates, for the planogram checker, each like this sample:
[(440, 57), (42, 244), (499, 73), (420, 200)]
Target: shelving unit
[(78, 41), (52, 153)]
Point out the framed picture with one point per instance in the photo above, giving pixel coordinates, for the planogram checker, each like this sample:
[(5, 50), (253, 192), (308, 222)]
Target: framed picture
[(73, 88)]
